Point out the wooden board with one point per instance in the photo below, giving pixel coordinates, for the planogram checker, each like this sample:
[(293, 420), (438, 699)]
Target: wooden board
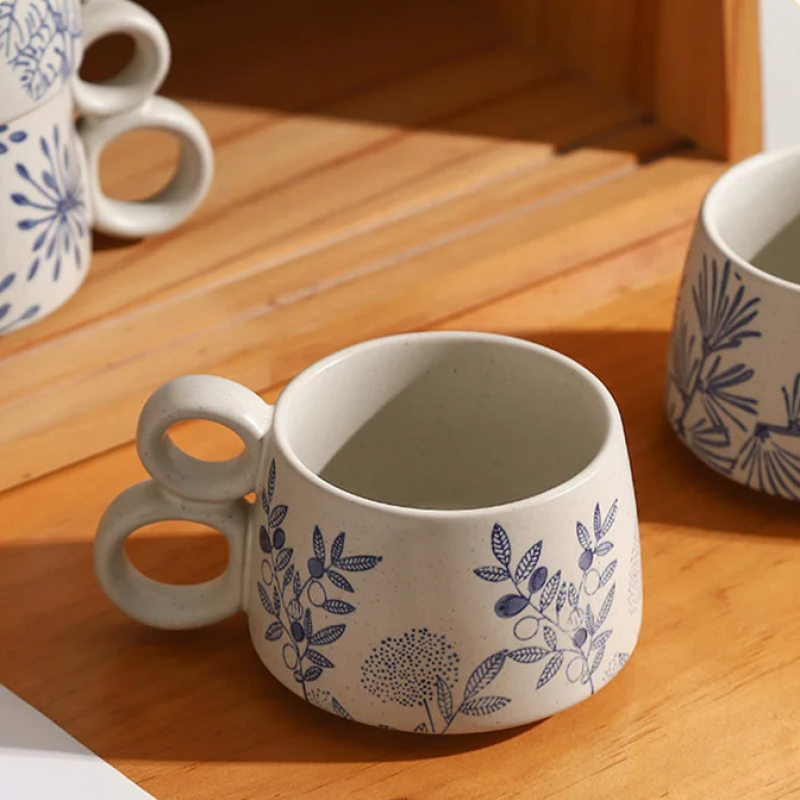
[(458, 185)]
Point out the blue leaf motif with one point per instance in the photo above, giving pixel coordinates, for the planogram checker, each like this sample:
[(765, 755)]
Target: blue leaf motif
[(339, 709), (270, 486), (606, 607), (7, 281), (312, 673), (528, 562), (572, 595), (278, 515), (501, 546), (550, 670), (509, 605), (4, 309), (274, 632), (358, 563), (265, 501), (264, 596), (604, 548), (315, 657), (590, 626), (283, 559), (33, 269), (481, 706), (327, 635), (339, 581), (276, 600), (600, 639), (20, 199), (49, 180), (550, 590), (18, 136), (308, 626), (334, 606), (444, 698), (492, 574), (298, 587), (22, 172), (598, 522), (288, 575), (485, 673), (608, 523), (561, 599), (608, 573), (318, 543), (528, 655), (550, 637), (337, 548), (583, 536)]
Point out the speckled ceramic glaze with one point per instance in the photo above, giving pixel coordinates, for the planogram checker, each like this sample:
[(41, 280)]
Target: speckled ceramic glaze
[(733, 388), (445, 538)]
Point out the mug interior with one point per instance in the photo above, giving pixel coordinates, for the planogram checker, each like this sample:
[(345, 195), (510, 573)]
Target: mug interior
[(755, 212), (441, 421)]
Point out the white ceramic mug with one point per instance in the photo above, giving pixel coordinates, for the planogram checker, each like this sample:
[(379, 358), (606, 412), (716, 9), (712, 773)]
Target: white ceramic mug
[(733, 388), (50, 197), (445, 538), (41, 47)]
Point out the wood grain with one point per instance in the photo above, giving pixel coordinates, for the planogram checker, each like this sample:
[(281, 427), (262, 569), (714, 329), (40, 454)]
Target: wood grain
[(693, 64), (460, 184)]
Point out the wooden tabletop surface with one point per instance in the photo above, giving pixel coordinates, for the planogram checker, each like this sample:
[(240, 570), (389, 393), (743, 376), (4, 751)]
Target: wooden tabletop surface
[(416, 170)]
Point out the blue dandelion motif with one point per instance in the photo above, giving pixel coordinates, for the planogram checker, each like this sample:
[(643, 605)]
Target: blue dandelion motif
[(55, 210)]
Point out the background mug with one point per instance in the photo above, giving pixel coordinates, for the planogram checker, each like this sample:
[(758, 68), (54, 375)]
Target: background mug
[(733, 387), (50, 196), (41, 47), (445, 538)]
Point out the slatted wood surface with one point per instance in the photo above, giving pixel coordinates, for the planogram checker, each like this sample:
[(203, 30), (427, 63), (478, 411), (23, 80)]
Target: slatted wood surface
[(419, 170)]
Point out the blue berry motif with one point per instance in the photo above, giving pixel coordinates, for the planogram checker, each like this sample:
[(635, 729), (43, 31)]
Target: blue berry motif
[(39, 42), (295, 603), (709, 402), (561, 621)]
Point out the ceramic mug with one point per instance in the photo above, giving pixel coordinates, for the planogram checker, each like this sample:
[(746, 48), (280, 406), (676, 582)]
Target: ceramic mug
[(50, 196), (445, 538), (41, 47), (733, 388)]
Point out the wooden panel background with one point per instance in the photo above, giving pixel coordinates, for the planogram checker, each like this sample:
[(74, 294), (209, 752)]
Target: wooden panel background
[(693, 64)]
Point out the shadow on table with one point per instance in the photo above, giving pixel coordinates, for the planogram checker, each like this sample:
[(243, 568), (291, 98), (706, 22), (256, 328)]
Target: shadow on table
[(137, 693), (447, 65)]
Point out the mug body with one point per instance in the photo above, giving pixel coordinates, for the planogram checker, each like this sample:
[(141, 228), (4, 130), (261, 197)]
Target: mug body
[(446, 538), (733, 385), (40, 49), (45, 241)]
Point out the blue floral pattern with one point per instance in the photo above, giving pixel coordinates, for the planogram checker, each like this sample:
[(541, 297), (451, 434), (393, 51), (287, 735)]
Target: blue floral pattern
[(9, 139), (562, 621), (55, 210), (39, 42), (295, 602), (711, 403)]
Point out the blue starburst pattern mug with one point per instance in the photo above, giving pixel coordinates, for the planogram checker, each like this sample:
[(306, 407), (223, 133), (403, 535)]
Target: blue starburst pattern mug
[(733, 385), (50, 198), (444, 540)]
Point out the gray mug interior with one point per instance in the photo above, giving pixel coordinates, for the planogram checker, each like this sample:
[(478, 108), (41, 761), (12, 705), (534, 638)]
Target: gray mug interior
[(440, 422), (755, 211)]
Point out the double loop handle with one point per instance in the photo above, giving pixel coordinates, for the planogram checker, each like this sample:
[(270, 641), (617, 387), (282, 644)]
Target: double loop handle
[(125, 103), (185, 488)]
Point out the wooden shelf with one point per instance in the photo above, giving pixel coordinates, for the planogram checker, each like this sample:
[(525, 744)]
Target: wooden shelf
[(422, 170)]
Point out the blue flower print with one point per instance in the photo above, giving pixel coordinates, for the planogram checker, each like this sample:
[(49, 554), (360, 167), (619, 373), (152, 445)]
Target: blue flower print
[(295, 603), (39, 41), (55, 211), (560, 620)]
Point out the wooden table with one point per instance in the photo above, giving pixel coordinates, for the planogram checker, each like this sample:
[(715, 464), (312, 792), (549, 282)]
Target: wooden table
[(396, 176)]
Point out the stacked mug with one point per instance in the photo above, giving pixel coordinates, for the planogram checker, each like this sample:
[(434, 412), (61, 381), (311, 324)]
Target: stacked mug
[(53, 129)]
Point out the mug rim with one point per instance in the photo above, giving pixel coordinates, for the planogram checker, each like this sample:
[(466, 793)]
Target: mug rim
[(612, 420), (713, 199)]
